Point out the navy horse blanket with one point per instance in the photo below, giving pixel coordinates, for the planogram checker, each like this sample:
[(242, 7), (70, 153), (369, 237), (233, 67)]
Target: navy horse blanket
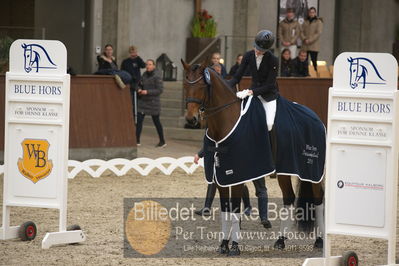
[(245, 154)]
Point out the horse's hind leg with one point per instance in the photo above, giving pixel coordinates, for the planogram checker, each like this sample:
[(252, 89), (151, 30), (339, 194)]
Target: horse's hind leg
[(286, 225), (318, 195), (284, 181)]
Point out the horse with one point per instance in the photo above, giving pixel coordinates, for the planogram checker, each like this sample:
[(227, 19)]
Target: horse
[(359, 72), (209, 96), (33, 54)]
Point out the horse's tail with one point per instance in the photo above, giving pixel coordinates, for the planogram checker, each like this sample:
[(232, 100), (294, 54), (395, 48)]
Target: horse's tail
[(305, 207)]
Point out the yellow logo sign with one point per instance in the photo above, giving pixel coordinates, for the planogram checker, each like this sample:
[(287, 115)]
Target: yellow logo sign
[(35, 164)]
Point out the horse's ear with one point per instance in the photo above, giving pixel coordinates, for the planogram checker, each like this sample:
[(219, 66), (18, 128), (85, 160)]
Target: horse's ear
[(23, 45), (185, 65), (350, 59)]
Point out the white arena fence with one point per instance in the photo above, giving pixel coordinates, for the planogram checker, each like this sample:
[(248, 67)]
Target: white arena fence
[(95, 167)]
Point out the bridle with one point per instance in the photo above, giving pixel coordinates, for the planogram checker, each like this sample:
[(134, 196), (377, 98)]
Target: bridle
[(204, 111)]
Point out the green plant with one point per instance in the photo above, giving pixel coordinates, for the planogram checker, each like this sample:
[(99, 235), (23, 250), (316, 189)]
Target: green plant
[(5, 44), (204, 26)]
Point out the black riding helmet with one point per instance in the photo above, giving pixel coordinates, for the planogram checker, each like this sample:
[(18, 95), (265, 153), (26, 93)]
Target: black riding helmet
[(264, 40)]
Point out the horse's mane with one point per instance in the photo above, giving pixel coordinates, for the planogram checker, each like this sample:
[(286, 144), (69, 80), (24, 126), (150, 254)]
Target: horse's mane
[(221, 80)]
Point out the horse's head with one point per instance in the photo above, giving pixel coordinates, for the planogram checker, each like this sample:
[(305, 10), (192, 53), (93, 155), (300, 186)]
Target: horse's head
[(27, 57), (195, 90), (353, 69)]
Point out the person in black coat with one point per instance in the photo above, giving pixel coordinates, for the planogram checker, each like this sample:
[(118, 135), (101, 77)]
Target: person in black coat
[(215, 59), (286, 67), (132, 65), (263, 66), (149, 102), (107, 66), (300, 65)]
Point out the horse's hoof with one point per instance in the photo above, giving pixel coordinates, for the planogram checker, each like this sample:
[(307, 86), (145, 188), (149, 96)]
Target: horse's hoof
[(266, 224), (318, 243), (224, 247), (280, 244), (234, 250)]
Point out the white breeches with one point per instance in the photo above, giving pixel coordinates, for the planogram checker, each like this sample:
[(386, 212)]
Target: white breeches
[(270, 109)]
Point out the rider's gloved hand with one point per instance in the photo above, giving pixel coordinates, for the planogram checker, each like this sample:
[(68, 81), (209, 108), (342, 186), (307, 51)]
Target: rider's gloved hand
[(243, 94)]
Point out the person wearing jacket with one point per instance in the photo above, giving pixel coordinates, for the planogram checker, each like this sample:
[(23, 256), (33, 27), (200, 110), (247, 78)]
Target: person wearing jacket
[(234, 68), (149, 102), (107, 66), (286, 67), (289, 32), (215, 59), (263, 67), (310, 35), (300, 66), (132, 65)]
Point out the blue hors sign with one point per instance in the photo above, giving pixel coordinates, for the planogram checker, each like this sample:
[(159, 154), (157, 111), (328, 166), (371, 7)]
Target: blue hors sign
[(362, 157), (38, 57), (363, 71)]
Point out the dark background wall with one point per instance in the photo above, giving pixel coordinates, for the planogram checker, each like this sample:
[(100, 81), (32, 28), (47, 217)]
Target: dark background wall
[(365, 25), (64, 21)]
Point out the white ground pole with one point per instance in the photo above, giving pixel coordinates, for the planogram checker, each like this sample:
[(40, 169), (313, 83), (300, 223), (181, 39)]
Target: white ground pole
[(362, 153), (45, 86)]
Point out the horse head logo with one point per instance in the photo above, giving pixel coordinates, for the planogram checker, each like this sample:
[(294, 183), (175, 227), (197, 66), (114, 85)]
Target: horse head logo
[(362, 70), (36, 57)]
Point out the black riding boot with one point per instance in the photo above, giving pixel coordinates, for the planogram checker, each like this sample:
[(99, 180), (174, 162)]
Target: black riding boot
[(246, 201), (261, 193), (210, 195)]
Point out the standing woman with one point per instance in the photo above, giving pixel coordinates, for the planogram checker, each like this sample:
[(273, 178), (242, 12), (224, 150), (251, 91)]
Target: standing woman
[(149, 102), (310, 35)]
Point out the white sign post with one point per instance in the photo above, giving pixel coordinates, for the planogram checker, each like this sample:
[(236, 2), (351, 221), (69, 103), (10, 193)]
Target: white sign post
[(37, 135), (362, 151)]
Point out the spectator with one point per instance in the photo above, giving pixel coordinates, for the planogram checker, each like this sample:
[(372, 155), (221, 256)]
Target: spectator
[(149, 102), (216, 60), (286, 67), (311, 31), (288, 32), (107, 66), (132, 65), (217, 67), (234, 68), (300, 66)]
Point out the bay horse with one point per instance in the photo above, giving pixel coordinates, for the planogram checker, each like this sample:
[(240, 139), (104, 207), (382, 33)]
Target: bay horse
[(208, 95)]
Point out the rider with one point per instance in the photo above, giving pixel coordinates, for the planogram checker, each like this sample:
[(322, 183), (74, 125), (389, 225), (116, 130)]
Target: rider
[(263, 66)]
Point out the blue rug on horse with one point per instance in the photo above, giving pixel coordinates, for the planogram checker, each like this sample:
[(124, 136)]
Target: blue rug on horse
[(245, 153), (301, 141)]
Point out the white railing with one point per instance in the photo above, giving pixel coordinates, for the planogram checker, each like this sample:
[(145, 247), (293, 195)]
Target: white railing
[(95, 167)]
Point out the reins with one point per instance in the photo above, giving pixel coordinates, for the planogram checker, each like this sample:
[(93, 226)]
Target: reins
[(204, 111)]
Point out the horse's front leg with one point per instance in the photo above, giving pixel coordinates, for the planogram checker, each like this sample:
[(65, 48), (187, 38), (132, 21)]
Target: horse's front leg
[(318, 195), (286, 223)]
